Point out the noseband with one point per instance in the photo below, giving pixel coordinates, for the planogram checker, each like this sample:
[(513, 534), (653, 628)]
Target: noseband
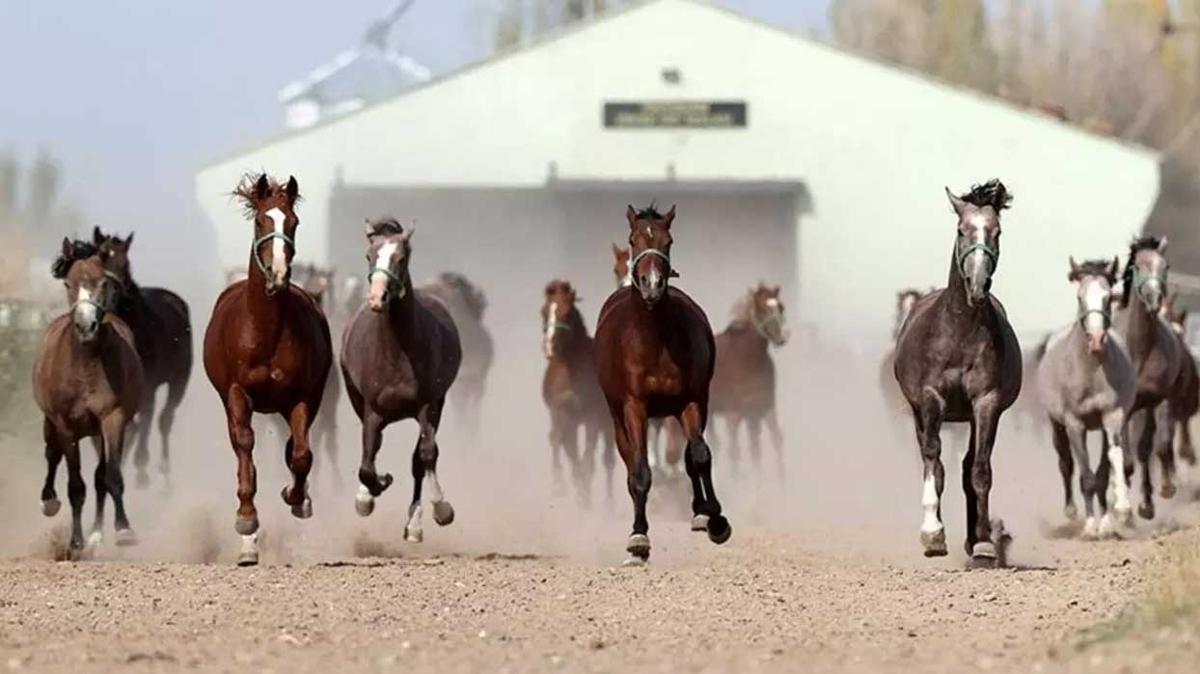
[(392, 277), (263, 239), (644, 254), (1140, 279), (1104, 313), (87, 301), (760, 326), (992, 256)]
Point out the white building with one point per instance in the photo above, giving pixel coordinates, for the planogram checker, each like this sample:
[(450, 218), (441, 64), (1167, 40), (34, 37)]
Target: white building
[(810, 166)]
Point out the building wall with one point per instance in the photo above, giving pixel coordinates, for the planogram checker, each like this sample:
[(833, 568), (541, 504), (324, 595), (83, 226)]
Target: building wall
[(874, 146)]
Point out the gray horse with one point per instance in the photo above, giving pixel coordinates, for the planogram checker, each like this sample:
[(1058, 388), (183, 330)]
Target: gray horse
[(1086, 382)]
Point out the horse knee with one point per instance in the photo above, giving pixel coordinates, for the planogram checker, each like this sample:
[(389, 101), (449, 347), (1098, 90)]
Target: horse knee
[(700, 452), (640, 479)]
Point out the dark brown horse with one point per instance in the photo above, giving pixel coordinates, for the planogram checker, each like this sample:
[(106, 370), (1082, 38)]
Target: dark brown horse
[(1185, 397), (467, 303), (87, 380), (318, 282), (1155, 352), (162, 330), (400, 354), (571, 390), (267, 349), (743, 385), (958, 360), (654, 354)]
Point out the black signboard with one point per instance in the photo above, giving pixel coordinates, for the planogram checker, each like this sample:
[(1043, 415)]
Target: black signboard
[(675, 115)]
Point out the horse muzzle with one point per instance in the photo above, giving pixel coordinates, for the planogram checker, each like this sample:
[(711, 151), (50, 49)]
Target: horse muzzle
[(87, 321), (1096, 342)]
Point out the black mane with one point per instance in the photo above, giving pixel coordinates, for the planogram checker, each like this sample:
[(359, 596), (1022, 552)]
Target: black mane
[(1140, 243), (992, 193), (1094, 268), (80, 250), (387, 225), (650, 213)]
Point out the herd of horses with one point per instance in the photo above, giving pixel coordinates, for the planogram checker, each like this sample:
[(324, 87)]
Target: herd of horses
[(642, 387)]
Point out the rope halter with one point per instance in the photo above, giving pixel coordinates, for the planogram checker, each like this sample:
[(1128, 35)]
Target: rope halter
[(264, 239)]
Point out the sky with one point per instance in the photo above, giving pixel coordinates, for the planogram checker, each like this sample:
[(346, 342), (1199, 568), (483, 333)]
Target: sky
[(134, 95)]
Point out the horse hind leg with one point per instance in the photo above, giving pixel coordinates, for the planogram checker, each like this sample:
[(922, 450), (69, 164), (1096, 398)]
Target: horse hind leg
[(241, 437), (991, 540), (371, 483), (1066, 467), (754, 428), (299, 460), (1187, 450), (706, 509), (166, 422), (1164, 432), (76, 493), (1145, 448), (144, 421), (54, 456), (424, 468), (113, 429)]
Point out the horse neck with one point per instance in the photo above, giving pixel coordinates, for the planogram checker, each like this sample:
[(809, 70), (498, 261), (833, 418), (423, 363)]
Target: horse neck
[(263, 309), (402, 311), (577, 339), (1141, 331), (954, 299), (744, 331), (1084, 359)]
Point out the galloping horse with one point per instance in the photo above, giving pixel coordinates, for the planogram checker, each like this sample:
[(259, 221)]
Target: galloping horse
[(267, 349), (1086, 382), (743, 384), (162, 331), (958, 360), (571, 390), (1185, 396), (88, 382), (654, 354), (400, 354), (467, 303), (1155, 351)]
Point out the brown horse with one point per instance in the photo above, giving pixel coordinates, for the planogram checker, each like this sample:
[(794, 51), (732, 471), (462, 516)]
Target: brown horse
[(318, 282), (958, 360), (1156, 354), (400, 354), (571, 390), (162, 330), (654, 354), (267, 349), (87, 380), (743, 384), (467, 303), (1185, 398)]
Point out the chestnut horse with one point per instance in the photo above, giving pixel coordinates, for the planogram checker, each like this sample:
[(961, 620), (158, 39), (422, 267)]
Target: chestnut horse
[(1156, 355), (400, 354), (467, 303), (958, 360), (267, 350), (1185, 396), (654, 355), (162, 330), (88, 382), (743, 385), (571, 390)]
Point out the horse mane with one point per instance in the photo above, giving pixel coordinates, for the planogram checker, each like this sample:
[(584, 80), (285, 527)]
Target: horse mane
[(992, 193), (80, 250), (1094, 268), (742, 307), (385, 226), (246, 191), (1139, 243), (650, 213)]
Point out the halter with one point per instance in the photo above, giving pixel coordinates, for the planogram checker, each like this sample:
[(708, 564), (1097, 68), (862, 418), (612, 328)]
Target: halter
[(392, 277), (646, 253), (992, 256), (761, 326), (263, 239), (1105, 313), (558, 325), (87, 301), (1140, 280)]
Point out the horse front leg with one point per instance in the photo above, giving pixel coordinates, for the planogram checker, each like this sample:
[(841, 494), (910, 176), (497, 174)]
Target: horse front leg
[(166, 422), (1113, 462), (927, 421), (1164, 432), (299, 460), (990, 538), (1143, 432), (238, 411), (1088, 488), (76, 493), (54, 456), (99, 482), (370, 483), (631, 424), (113, 428), (424, 469), (776, 434), (706, 509)]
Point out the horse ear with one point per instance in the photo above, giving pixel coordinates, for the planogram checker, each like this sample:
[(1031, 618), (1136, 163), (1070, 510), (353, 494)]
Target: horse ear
[(631, 215), (1074, 268), (293, 190), (408, 234), (670, 216), (129, 241), (958, 204), (97, 236), (1114, 267), (262, 188), (1162, 245), (617, 250), (68, 251), (673, 274)]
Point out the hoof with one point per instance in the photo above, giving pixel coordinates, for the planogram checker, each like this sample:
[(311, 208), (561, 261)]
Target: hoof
[(248, 556), (983, 555), (934, 543), (364, 503), (301, 510), (246, 526), (51, 507), (76, 553), (639, 546), (1168, 490), (700, 523), (414, 534), (142, 480), (1108, 527), (1124, 516), (719, 530), (1146, 511), (94, 540), (1091, 530), (1071, 513), (443, 513), (634, 562), (126, 538)]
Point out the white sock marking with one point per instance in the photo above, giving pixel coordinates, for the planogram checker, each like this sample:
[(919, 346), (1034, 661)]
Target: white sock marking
[(434, 487), (929, 501), (1116, 477)]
